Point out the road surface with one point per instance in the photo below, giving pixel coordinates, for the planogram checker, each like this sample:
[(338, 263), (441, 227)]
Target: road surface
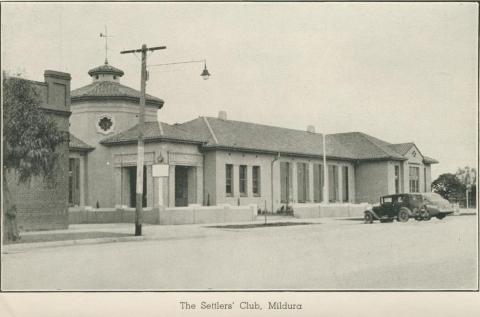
[(328, 254)]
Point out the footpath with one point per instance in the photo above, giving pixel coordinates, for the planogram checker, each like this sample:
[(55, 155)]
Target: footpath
[(81, 234)]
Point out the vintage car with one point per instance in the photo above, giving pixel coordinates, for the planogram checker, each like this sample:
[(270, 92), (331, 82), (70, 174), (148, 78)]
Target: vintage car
[(421, 206)]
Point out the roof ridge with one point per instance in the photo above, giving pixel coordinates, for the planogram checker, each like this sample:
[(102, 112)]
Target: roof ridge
[(160, 127), (210, 129), (265, 125), (381, 147)]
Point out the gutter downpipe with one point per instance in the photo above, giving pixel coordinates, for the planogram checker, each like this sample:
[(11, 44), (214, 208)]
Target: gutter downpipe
[(271, 171)]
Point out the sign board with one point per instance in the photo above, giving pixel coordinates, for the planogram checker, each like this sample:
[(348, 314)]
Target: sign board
[(160, 170)]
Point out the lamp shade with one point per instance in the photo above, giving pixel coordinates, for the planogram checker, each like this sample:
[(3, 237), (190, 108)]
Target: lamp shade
[(205, 74)]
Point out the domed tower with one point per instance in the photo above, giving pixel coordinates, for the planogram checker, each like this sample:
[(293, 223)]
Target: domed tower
[(100, 109)]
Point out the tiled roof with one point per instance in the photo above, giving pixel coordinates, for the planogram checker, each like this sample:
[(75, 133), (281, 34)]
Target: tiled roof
[(429, 160), (402, 148), (110, 89), (106, 69), (77, 144), (246, 136), (154, 131), (252, 136), (367, 147)]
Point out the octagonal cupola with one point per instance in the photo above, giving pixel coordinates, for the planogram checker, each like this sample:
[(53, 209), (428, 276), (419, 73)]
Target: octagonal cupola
[(105, 72)]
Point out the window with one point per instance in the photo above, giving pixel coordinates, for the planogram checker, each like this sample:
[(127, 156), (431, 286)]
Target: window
[(302, 182), (333, 183), (414, 174), (285, 182), (317, 183), (105, 124), (387, 200), (242, 171), (256, 180), (229, 179), (397, 179), (345, 184)]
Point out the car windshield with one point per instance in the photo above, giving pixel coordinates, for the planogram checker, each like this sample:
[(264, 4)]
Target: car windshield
[(434, 198)]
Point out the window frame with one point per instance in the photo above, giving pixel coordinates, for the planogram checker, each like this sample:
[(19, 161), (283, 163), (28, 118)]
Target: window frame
[(256, 181), (229, 180), (243, 180)]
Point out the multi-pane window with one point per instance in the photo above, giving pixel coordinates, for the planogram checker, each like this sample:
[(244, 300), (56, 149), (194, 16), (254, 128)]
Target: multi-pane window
[(333, 183), (345, 184), (317, 183), (242, 178), (285, 182), (414, 176), (229, 179), (302, 182), (397, 179), (256, 180)]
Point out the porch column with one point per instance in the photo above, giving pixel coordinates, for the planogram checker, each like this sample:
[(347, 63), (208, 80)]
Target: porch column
[(294, 195), (199, 187), (150, 184), (171, 186), (117, 181)]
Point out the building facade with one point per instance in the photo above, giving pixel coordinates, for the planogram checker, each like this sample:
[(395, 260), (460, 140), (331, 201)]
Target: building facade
[(41, 205), (213, 160)]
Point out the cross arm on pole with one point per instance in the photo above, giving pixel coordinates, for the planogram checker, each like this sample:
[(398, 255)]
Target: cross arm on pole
[(144, 49)]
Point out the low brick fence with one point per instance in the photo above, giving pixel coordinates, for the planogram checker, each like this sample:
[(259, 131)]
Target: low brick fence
[(192, 214), (329, 210)]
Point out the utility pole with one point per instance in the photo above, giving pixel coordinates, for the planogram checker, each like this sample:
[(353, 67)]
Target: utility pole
[(141, 125)]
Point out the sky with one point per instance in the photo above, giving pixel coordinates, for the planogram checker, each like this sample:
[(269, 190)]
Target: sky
[(402, 72)]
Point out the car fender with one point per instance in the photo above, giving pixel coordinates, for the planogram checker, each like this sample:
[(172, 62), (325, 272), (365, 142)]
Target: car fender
[(370, 210), (432, 209)]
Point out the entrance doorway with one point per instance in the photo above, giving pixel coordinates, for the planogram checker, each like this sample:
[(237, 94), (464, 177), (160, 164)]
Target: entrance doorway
[(185, 184), (74, 181), (132, 176)]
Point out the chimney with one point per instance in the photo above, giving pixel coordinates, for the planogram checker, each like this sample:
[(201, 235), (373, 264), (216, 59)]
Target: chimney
[(222, 115), (311, 129), (58, 94)]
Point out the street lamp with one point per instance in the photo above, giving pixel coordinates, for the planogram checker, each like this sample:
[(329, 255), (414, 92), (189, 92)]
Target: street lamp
[(205, 73)]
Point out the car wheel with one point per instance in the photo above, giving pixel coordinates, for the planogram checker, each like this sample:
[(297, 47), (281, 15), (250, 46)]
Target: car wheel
[(440, 216), (403, 215), (368, 217), (425, 214)]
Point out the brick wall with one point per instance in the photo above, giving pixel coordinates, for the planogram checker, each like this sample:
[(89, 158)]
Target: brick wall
[(40, 205)]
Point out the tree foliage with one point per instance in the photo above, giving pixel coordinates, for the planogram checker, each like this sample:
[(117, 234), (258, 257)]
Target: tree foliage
[(29, 136), (449, 187), (467, 175)]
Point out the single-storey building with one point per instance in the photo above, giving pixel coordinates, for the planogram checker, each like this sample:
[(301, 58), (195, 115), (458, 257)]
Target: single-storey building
[(214, 160)]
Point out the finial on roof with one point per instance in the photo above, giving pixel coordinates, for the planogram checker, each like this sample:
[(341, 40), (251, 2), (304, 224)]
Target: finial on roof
[(106, 36)]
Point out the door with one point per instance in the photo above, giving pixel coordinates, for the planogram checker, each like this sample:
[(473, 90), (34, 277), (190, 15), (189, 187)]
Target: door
[(181, 186), (132, 175), (74, 181)]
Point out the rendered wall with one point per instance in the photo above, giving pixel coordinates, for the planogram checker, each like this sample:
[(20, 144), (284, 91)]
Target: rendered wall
[(264, 200), (83, 124), (330, 210), (371, 181)]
